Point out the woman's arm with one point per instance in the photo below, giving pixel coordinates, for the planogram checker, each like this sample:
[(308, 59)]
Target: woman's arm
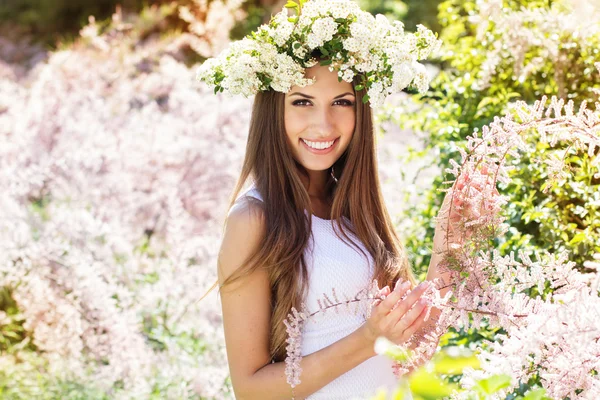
[(318, 369), (246, 308), (434, 272)]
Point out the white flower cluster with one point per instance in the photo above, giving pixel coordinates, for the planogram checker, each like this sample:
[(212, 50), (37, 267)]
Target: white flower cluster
[(352, 42), (251, 66)]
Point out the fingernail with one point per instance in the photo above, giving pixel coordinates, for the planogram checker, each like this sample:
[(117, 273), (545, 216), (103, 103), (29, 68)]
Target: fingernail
[(397, 284), (405, 285)]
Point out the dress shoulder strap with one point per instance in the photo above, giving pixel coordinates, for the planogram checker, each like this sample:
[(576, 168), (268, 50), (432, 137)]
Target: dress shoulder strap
[(253, 192)]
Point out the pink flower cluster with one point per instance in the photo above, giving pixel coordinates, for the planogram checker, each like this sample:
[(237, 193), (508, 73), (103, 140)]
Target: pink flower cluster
[(296, 319), (555, 337), (114, 165)]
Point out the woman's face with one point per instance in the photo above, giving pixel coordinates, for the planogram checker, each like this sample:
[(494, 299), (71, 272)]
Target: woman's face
[(317, 115)]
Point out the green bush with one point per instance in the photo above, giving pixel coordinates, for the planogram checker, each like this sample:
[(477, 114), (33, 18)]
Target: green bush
[(552, 57), (455, 108), (49, 20)]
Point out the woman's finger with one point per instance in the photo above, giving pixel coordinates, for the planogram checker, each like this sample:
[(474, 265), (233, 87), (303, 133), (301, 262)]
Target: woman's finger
[(408, 318), (405, 305), (386, 305), (416, 324), (382, 292)]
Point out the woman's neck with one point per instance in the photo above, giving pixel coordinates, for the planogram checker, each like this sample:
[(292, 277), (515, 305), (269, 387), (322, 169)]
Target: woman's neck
[(316, 184)]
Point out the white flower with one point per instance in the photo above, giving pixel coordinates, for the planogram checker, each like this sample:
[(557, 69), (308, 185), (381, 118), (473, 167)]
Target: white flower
[(312, 62), (322, 31), (403, 75), (206, 72), (421, 79), (371, 62), (365, 18), (341, 8), (284, 28), (431, 44), (360, 31), (351, 44), (275, 56), (347, 75), (376, 93), (285, 72), (300, 51)]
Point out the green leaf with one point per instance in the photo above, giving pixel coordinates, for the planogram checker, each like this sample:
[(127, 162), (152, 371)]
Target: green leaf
[(359, 87), (324, 51), (293, 19), (447, 337), (291, 4), (485, 101), (579, 237), (493, 384), (537, 394), (297, 45), (429, 386), (326, 62), (454, 365), (365, 98)]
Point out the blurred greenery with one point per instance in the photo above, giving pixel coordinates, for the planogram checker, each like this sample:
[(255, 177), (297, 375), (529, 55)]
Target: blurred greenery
[(52, 21), (564, 218), (434, 380)]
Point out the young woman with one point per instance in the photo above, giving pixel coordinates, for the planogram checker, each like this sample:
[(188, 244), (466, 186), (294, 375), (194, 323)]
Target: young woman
[(313, 221), (261, 263)]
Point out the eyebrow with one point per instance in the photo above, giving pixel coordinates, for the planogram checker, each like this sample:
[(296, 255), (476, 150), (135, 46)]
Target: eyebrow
[(311, 97)]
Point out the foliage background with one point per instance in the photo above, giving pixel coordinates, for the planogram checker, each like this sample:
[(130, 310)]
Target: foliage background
[(128, 79)]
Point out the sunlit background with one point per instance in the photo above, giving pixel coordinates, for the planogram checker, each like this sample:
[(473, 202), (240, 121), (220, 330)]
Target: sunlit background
[(116, 168)]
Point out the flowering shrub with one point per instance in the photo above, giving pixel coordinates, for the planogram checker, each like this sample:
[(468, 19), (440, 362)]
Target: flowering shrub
[(106, 241), (544, 331), (545, 211), (113, 166), (209, 24), (457, 106)]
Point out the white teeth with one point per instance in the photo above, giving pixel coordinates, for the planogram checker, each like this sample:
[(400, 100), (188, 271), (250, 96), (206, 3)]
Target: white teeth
[(319, 145)]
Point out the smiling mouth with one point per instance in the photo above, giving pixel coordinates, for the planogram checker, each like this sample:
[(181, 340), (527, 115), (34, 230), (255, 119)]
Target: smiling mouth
[(319, 145)]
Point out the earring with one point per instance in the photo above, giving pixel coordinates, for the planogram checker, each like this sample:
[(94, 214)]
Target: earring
[(333, 175)]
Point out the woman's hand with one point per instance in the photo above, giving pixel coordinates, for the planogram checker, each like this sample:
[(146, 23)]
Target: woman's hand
[(451, 215), (397, 319)]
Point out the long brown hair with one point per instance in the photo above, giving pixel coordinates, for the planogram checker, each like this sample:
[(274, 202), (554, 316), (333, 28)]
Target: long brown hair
[(356, 196)]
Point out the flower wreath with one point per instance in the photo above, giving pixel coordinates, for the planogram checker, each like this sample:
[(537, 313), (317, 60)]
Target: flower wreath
[(351, 41)]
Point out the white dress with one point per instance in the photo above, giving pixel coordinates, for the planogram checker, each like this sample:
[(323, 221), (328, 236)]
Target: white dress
[(334, 264)]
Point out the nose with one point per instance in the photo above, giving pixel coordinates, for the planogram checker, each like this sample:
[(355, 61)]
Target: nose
[(323, 122)]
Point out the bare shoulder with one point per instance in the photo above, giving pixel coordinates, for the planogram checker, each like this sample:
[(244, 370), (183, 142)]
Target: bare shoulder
[(246, 303), (244, 231), (246, 210)]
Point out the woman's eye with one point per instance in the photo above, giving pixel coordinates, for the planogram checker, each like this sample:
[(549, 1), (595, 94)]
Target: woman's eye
[(297, 102), (346, 103)]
